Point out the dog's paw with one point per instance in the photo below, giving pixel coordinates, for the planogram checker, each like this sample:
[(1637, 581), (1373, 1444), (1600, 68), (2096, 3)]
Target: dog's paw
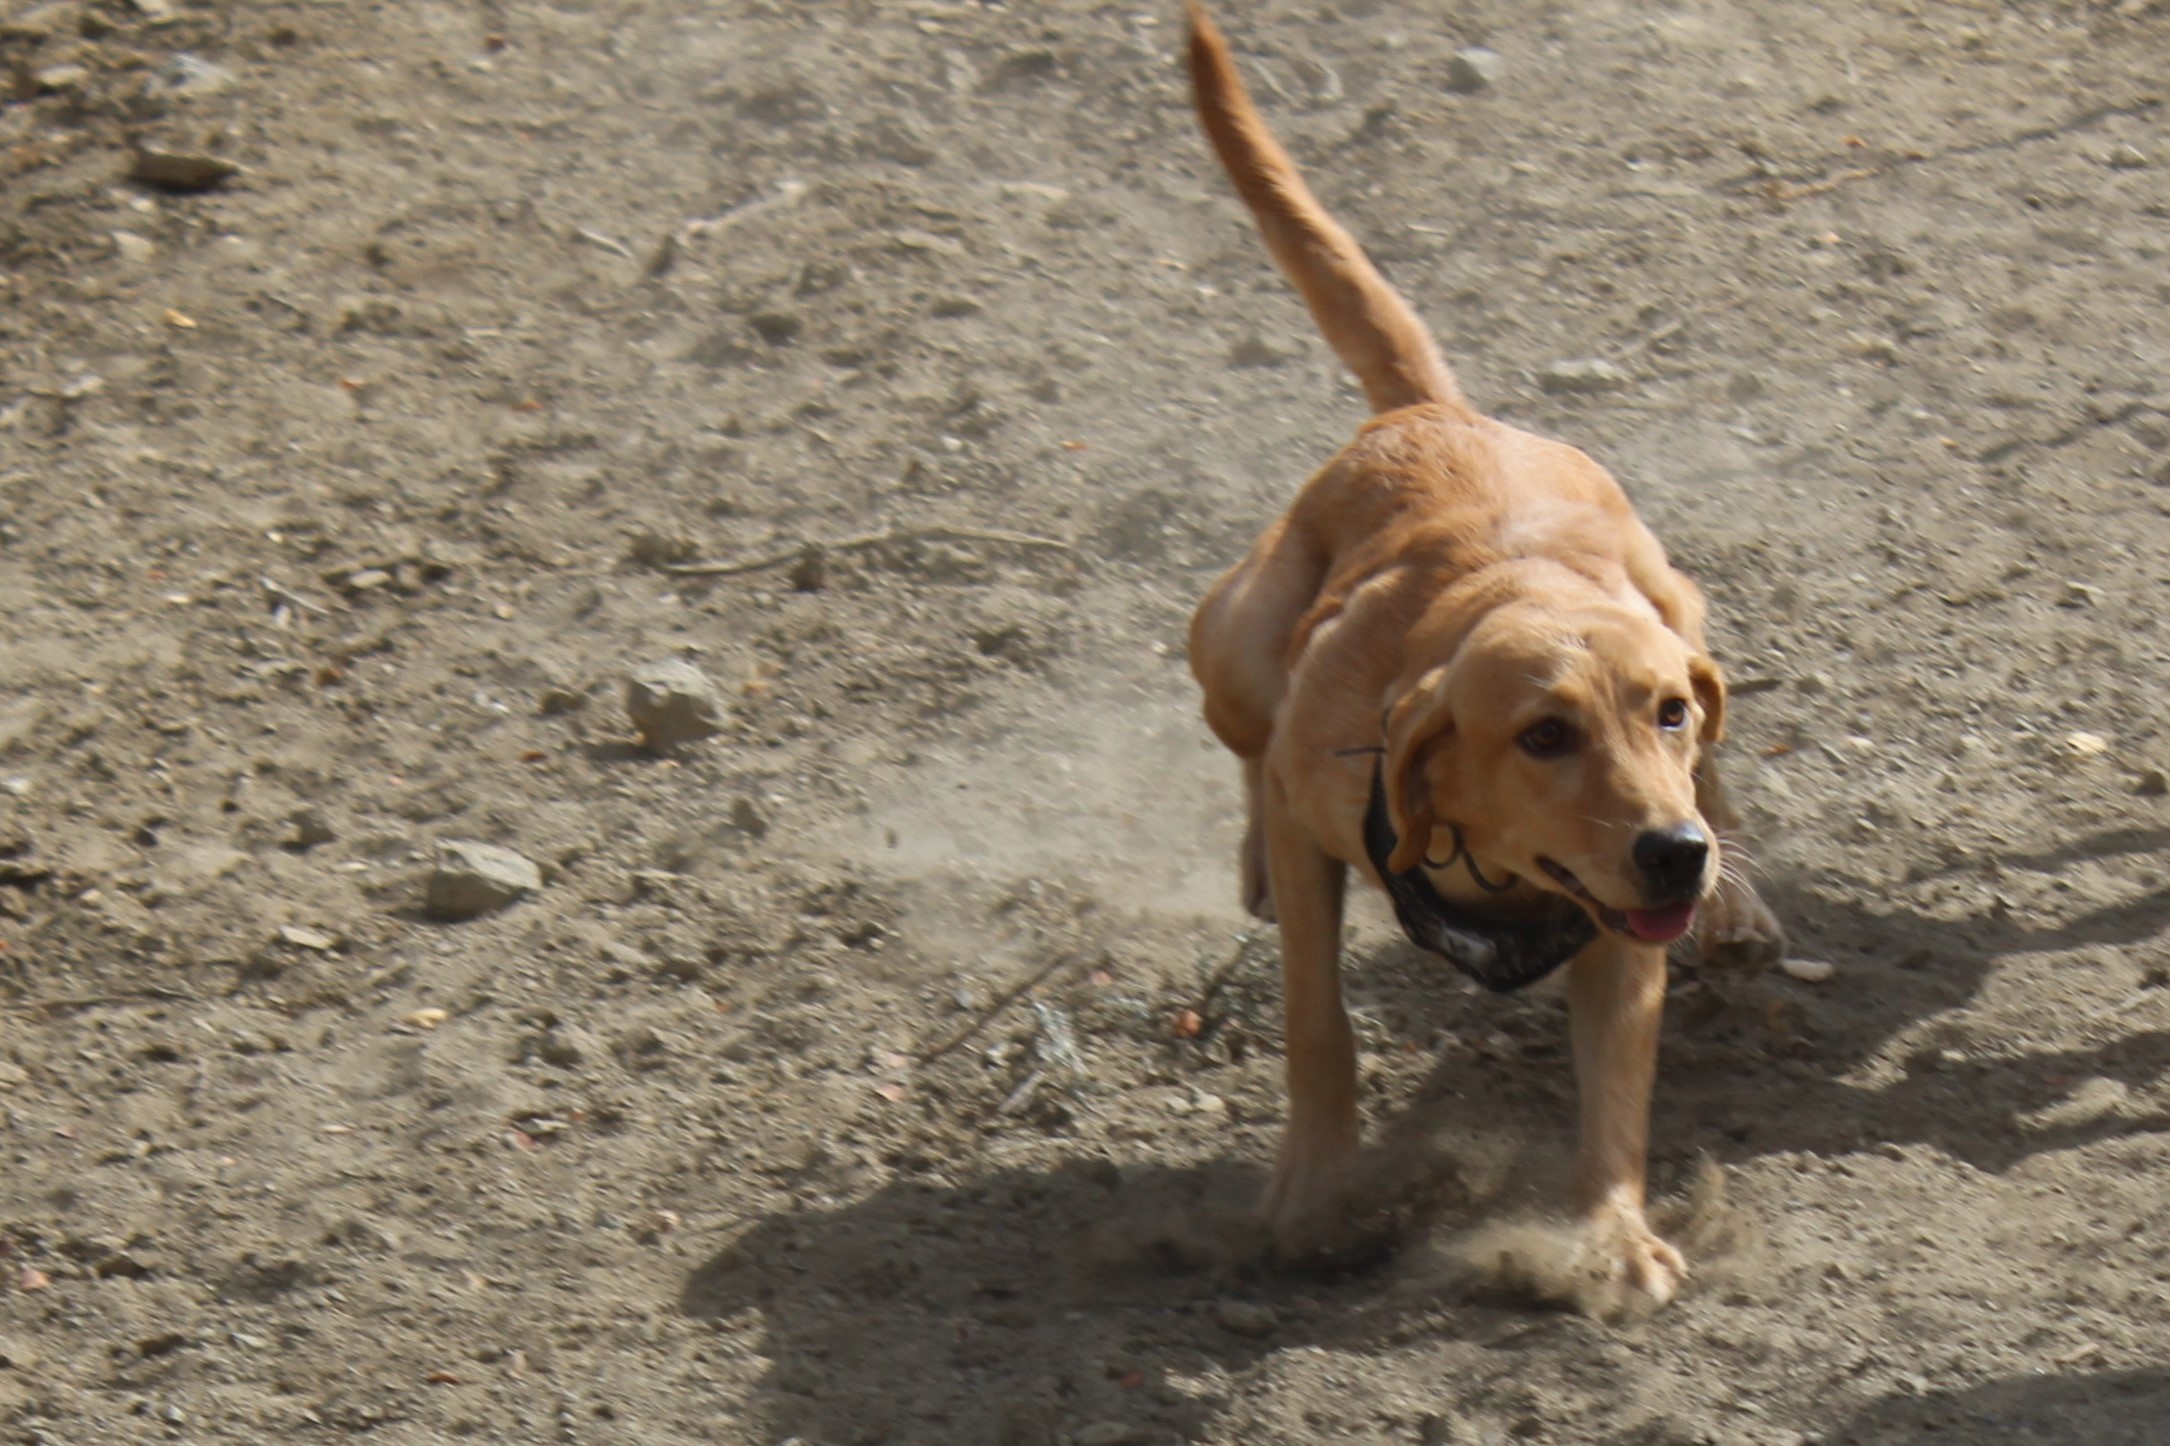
[(1735, 927), (1623, 1268), (1311, 1207)]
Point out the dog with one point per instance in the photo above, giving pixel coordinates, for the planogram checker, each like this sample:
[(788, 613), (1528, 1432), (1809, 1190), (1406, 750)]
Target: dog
[(1461, 665)]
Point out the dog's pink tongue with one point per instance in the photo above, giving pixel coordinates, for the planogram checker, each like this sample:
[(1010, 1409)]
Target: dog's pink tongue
[(1661, 926)]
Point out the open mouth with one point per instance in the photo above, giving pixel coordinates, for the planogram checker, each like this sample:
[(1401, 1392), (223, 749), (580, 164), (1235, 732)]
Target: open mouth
[(1651, 926)]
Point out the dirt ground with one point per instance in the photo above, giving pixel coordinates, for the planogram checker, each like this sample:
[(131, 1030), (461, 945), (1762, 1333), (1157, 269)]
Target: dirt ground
[(836, 1085)]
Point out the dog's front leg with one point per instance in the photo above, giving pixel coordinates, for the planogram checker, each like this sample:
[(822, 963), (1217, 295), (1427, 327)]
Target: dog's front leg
[(1304, 1203), (1616, 1000)]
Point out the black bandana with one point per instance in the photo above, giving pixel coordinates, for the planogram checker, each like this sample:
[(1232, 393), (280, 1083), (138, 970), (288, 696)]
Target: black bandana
[(1500, 954)]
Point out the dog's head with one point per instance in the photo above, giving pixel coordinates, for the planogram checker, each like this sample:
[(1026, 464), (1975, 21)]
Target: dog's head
[(1561, 741)]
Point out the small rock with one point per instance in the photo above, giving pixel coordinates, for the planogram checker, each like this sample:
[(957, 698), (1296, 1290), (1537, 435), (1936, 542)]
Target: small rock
[(673, 702), (17, 1355), (60, 79), (811, 572), (1246, 1318), (133, 248), (425, 1018), (651, 548), (1109, 1433), (2126, 158), (2086, 745), (181, 173), (1870, 347), (310, 828), (303, 937), (185, 77), (777, 328), (475, 878), (1472, 70), (1809, 971), (1581, 376), (2154, 783), (565, 1047), (554, 702), (747, 819), (2080, 595), (41, 22), (643, 1048), (1256, 351)]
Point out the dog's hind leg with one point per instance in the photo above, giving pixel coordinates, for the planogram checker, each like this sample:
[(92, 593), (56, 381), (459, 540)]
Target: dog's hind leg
[(1239, 648), (1255, 881)]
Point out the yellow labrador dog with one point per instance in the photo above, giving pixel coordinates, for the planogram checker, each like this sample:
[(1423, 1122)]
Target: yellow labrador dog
[(1462, 666)]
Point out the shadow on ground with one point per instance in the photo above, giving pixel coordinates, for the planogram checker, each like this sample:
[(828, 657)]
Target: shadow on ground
[(2108, 1408), (905, 1317)]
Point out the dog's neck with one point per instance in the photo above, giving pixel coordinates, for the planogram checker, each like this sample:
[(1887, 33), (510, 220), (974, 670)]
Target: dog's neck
[(1502, 954)]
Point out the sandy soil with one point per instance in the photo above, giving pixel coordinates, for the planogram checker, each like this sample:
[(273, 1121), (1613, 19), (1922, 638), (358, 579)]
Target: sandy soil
[(336, 503)]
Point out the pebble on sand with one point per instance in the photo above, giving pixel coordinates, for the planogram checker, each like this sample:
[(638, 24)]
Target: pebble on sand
[(672, 702), (1472, 70), (1581, 376), (1246, 1318), (475, 878), (1809, 971), (1110, 1433), (181, 173)]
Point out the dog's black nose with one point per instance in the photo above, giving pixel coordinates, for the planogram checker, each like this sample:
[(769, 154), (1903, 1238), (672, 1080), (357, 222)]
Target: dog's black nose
[(1672, 860)]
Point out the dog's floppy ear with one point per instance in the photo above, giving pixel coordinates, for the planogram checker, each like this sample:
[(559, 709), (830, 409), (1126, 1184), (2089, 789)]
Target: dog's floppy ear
[(1419, 720), (1709, 685)]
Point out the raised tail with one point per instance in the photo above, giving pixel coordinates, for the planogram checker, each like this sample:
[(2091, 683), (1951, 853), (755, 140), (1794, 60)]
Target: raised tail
[(1365, 320)]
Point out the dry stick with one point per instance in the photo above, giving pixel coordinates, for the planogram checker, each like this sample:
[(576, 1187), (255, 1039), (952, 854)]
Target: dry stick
[(861, 544), (1221, 976), (987, 1016), (1781, 189), (151, 995)]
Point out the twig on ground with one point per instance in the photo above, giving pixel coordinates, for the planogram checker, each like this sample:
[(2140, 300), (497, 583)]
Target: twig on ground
[(1218, 980), (987, 1016), (148, 995), (736, 567), (1783, 188), (609, 243)]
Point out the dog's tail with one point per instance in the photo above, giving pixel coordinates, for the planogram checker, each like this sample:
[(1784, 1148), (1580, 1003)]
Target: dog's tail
[(1364, 319)]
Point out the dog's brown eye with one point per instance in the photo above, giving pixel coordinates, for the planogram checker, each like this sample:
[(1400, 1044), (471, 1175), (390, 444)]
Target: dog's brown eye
[(1548, 738), (1673, 714)]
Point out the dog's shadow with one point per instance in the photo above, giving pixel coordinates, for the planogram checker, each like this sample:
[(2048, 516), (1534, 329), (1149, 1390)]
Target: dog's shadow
[(2104, 1408), (1764, 1063), (1016, 1305)]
